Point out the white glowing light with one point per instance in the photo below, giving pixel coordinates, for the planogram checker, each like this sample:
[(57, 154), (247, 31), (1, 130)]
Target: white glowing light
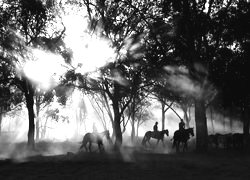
[(44, 68), (89, 50)]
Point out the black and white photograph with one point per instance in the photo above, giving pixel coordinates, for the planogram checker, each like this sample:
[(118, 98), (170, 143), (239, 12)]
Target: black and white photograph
[(125, 89)]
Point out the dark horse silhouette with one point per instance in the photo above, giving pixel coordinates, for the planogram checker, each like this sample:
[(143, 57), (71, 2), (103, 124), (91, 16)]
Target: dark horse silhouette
[(182, 137), (97, 138), (159, 135)]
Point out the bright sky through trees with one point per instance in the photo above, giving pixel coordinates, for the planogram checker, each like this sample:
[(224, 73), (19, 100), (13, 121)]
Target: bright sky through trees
[(89, 51)]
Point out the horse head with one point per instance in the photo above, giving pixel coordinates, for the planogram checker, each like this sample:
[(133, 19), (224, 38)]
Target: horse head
[(166, 132), (191, 131)]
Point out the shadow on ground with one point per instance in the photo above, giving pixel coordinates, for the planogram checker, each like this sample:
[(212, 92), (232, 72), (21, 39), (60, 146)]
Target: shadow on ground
[(130, 163)]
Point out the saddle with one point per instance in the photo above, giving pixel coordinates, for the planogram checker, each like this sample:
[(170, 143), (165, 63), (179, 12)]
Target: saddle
[(155, 134), (180, 133)]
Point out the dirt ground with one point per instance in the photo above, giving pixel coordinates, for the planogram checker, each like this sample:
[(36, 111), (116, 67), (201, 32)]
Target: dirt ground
[(131, 163)]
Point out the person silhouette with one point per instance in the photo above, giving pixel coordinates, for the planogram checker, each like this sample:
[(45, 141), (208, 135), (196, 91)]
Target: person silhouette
[(181, 125), (155, 127)]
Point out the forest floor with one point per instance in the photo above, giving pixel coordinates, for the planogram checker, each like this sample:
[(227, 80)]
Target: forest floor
[(63, 161)]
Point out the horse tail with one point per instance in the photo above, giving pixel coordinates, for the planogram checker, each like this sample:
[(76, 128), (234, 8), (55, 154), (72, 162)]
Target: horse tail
[(84, 141), (174, 140), (174, 143), (143, 140)]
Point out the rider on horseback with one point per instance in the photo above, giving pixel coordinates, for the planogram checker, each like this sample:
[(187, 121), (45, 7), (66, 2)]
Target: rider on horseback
[(155, 128), (181, 125)]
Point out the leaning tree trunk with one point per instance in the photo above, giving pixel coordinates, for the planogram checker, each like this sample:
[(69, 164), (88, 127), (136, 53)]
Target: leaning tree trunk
[(29, 95), (185, 117), (201, 126)]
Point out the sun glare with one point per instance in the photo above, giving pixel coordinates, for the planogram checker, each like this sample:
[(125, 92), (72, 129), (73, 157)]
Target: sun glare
[(44, 68), (89, 50)]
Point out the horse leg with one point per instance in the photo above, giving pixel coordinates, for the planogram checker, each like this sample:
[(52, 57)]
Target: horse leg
[(149, 143), (178, 146), (157, 142), (174, 144), (185, 147), (90, 146), (85, 146), (81, 147), (163, 144), (100, 147), (144, 141)]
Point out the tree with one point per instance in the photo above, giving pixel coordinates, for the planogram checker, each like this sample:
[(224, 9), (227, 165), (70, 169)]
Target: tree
[(42, 100), (101, 105), (116, 81), (118, 85), (136, 110), (23, 27)]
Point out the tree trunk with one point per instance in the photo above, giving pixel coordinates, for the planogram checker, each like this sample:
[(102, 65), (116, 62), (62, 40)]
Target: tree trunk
[(189, 115), (185, 111), (77, 111), (1, 117), (231, 123), (212, 121), (29, 95), (31, 132), (201, 126), (224, 121), (133, 120), (117, 125), (44, 129), (163, 115), (186, 119), (246, 122), (133, 129), (37, 128), (37, 119), (137, 128)]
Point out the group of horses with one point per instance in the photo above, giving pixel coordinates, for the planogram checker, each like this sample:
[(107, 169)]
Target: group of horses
[(180, 137), (228, 141)]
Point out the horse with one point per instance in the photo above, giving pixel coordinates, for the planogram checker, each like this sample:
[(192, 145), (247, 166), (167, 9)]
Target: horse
[(94, 138), (159, 135), (182, 137), (238, 140), (213, 140)]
